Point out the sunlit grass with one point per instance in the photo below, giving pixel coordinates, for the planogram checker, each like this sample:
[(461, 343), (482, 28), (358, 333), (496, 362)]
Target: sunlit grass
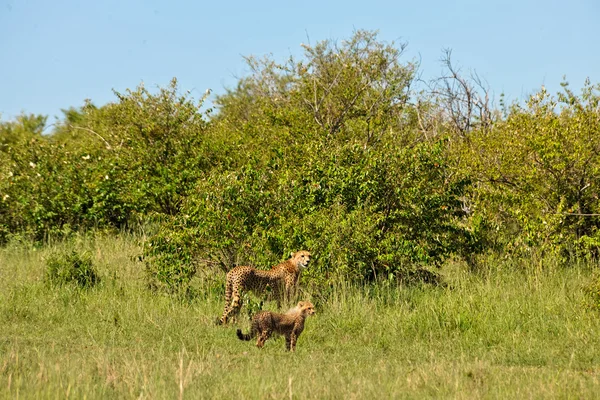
[(518, 333)]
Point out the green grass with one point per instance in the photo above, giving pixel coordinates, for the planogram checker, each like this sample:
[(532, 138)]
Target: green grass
[(519, 334)]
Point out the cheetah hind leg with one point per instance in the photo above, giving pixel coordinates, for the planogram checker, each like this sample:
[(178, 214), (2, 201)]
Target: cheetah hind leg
[(228, 305), (231, 310), (236, 306), (262, 338), (224, 317)]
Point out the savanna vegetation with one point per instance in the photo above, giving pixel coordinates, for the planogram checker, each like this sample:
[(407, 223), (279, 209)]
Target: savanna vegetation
[(454, 240)]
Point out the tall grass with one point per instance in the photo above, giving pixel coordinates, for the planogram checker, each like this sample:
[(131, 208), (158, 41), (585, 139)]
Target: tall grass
[(513, 332)]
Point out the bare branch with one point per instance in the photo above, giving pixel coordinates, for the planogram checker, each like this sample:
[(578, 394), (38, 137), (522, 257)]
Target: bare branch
[(465, 100), (108, 146)]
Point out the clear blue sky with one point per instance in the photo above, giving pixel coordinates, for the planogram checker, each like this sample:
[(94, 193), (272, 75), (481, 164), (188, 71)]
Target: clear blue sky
[(56, 53)]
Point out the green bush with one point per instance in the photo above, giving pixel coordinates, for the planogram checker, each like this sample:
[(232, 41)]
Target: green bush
[(72, 268), (365, 217), (168, 260), (592, 291), (321, 155), (101, 167), (538, 173)]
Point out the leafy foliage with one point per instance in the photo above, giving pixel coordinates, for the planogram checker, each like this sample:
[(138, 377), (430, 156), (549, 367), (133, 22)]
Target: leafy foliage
[(592, 291), (340, 176), (103, 167), (538, 172), (73, 267)]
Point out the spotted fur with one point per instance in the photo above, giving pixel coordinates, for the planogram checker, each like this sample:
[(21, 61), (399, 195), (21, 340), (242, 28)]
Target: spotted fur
[(282, 279), (290, 324)]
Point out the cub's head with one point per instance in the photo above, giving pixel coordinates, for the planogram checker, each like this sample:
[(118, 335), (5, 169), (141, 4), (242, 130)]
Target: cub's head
[(301, 258), (306, 308)]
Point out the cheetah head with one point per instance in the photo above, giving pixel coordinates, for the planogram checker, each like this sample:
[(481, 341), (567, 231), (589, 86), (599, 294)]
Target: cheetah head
[(301, 258), (306, 308)]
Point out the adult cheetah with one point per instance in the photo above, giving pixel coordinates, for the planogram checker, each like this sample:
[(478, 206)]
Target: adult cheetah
[(282, 279)]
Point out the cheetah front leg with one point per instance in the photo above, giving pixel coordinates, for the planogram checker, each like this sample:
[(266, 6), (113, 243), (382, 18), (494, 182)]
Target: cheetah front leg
[(290, 342), (279, 294), (289, 293)]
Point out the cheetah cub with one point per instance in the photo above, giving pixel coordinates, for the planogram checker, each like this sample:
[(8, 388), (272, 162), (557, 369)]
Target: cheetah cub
[(290, 324)]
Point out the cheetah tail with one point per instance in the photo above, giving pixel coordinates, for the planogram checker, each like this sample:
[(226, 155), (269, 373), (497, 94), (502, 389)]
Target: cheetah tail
[(242, 336)]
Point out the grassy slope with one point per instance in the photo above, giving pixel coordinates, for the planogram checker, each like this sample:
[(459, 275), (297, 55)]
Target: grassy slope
[(508, 335)]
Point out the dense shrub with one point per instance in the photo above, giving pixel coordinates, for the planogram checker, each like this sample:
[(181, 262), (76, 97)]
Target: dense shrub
[(102, 167), (538, 173), (366, 216), (168, 258), (323, 163), (592, 290), (72, 268), (52, 190)]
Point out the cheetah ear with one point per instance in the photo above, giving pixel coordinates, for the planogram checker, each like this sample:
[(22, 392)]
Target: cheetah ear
[(291, 254)]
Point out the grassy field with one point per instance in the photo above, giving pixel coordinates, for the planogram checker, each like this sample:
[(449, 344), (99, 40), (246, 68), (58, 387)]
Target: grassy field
[(504, 335)]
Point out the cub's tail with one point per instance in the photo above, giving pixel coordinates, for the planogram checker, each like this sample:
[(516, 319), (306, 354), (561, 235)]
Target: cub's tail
[(243, 336)]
